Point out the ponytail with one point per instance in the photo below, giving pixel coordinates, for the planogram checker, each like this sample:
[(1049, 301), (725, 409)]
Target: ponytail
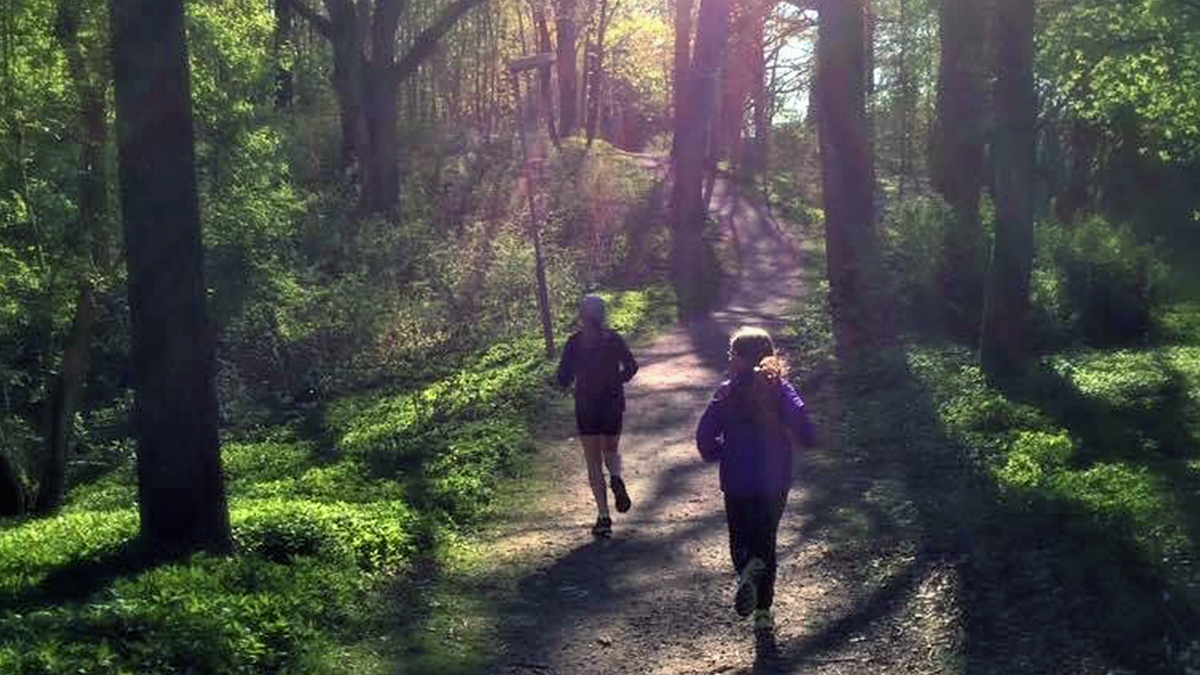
[(758, 396)]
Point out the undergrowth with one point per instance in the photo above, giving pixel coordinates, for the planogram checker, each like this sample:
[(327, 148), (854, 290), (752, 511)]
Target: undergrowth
[(317, 531)]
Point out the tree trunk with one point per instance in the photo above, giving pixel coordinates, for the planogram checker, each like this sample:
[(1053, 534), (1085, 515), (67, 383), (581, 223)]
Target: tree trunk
[(597, 79), (546, 88), (347, 40), (1082, 143), (736, 83), (87, 243), (64, 401), (907, 100), (284, 81), (568, 93), (691, 130), (381, 170), (12, 492), (847, 176), (1006, 314), (957, 161), (759, 97), (683, 62), (181, 490)]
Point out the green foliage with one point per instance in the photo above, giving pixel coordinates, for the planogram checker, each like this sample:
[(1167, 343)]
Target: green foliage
[(375, 536), (1094, 280), (31, 550), (311, 538), (914, 234), (793, 174), (299, 577), (228, 615), (1108, 57)]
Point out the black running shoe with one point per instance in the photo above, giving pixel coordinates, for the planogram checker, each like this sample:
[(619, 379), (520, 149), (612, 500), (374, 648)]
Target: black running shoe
[(618, 488), (602, 528)]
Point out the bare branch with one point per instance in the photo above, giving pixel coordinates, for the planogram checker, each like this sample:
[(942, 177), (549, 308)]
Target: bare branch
[(427, 42)]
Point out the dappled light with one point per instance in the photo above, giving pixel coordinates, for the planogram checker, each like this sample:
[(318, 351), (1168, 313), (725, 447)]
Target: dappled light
[(582, 337)]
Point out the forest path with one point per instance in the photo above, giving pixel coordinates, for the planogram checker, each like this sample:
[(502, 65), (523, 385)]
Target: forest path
[(656, 598)]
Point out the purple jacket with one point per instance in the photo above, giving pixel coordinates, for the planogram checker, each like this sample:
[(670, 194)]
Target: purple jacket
[(754, 460)]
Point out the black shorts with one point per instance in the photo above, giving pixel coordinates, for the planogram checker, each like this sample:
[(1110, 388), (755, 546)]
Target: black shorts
[(602, 419)]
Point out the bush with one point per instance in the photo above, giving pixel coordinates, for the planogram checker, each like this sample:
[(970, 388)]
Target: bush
[(374, 536), (1095, 281), (913, 236), (298, 578)]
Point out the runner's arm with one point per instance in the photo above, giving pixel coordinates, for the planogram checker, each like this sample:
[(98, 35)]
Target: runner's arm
[(629, 365), (710, 433), (796, 417), (566, 364)]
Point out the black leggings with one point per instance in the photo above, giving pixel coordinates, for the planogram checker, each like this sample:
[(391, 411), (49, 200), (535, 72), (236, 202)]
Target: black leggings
[(753, 527)]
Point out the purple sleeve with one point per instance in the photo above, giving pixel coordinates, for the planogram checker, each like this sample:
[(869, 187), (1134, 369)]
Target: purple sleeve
[(711, 430), (796, 417)]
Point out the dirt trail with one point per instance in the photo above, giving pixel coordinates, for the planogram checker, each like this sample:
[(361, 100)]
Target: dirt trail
[(656, 598)]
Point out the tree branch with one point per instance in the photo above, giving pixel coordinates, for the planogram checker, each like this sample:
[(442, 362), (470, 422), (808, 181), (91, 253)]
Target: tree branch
[(425, 44), (318, 22)]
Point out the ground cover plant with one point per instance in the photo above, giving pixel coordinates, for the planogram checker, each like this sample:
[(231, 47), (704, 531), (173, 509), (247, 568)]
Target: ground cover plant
[(317, 533), (1066, 494)]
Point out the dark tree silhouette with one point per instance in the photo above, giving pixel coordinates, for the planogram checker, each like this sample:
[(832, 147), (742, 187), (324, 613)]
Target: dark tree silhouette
[(367, 88), (683, 61), (956, 161), (284, 78), (1006, 311), (12, 493), (568, 88), (180, 486), (596, 81), (846, 171), (691, 129), (65, 392)]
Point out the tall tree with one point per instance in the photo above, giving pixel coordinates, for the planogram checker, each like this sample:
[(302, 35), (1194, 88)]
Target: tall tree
[(692, 125), (544, 84), (847, 177), (739, 76), (683, 61), (759, 97), (568, 91), (597, 78), (1082, 144), (281, 43), (367, 86), (12, 491), (908, 95), (89, 80), (180, 484), (957, 159), (1006, 311)]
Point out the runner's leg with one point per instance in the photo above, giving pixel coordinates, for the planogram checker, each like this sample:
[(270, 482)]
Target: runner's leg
[(593, 453), (612, 455)]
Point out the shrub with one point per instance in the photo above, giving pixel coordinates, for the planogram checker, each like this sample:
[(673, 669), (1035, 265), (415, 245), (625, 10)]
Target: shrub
[(913, 237), (1096, 281), (375, 536)]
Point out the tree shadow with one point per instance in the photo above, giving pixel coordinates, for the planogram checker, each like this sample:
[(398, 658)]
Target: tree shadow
[(83, 577), (1045, 586)]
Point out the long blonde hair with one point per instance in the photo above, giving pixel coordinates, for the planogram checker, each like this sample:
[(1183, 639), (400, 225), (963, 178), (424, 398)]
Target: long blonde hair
[(758, 396)]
